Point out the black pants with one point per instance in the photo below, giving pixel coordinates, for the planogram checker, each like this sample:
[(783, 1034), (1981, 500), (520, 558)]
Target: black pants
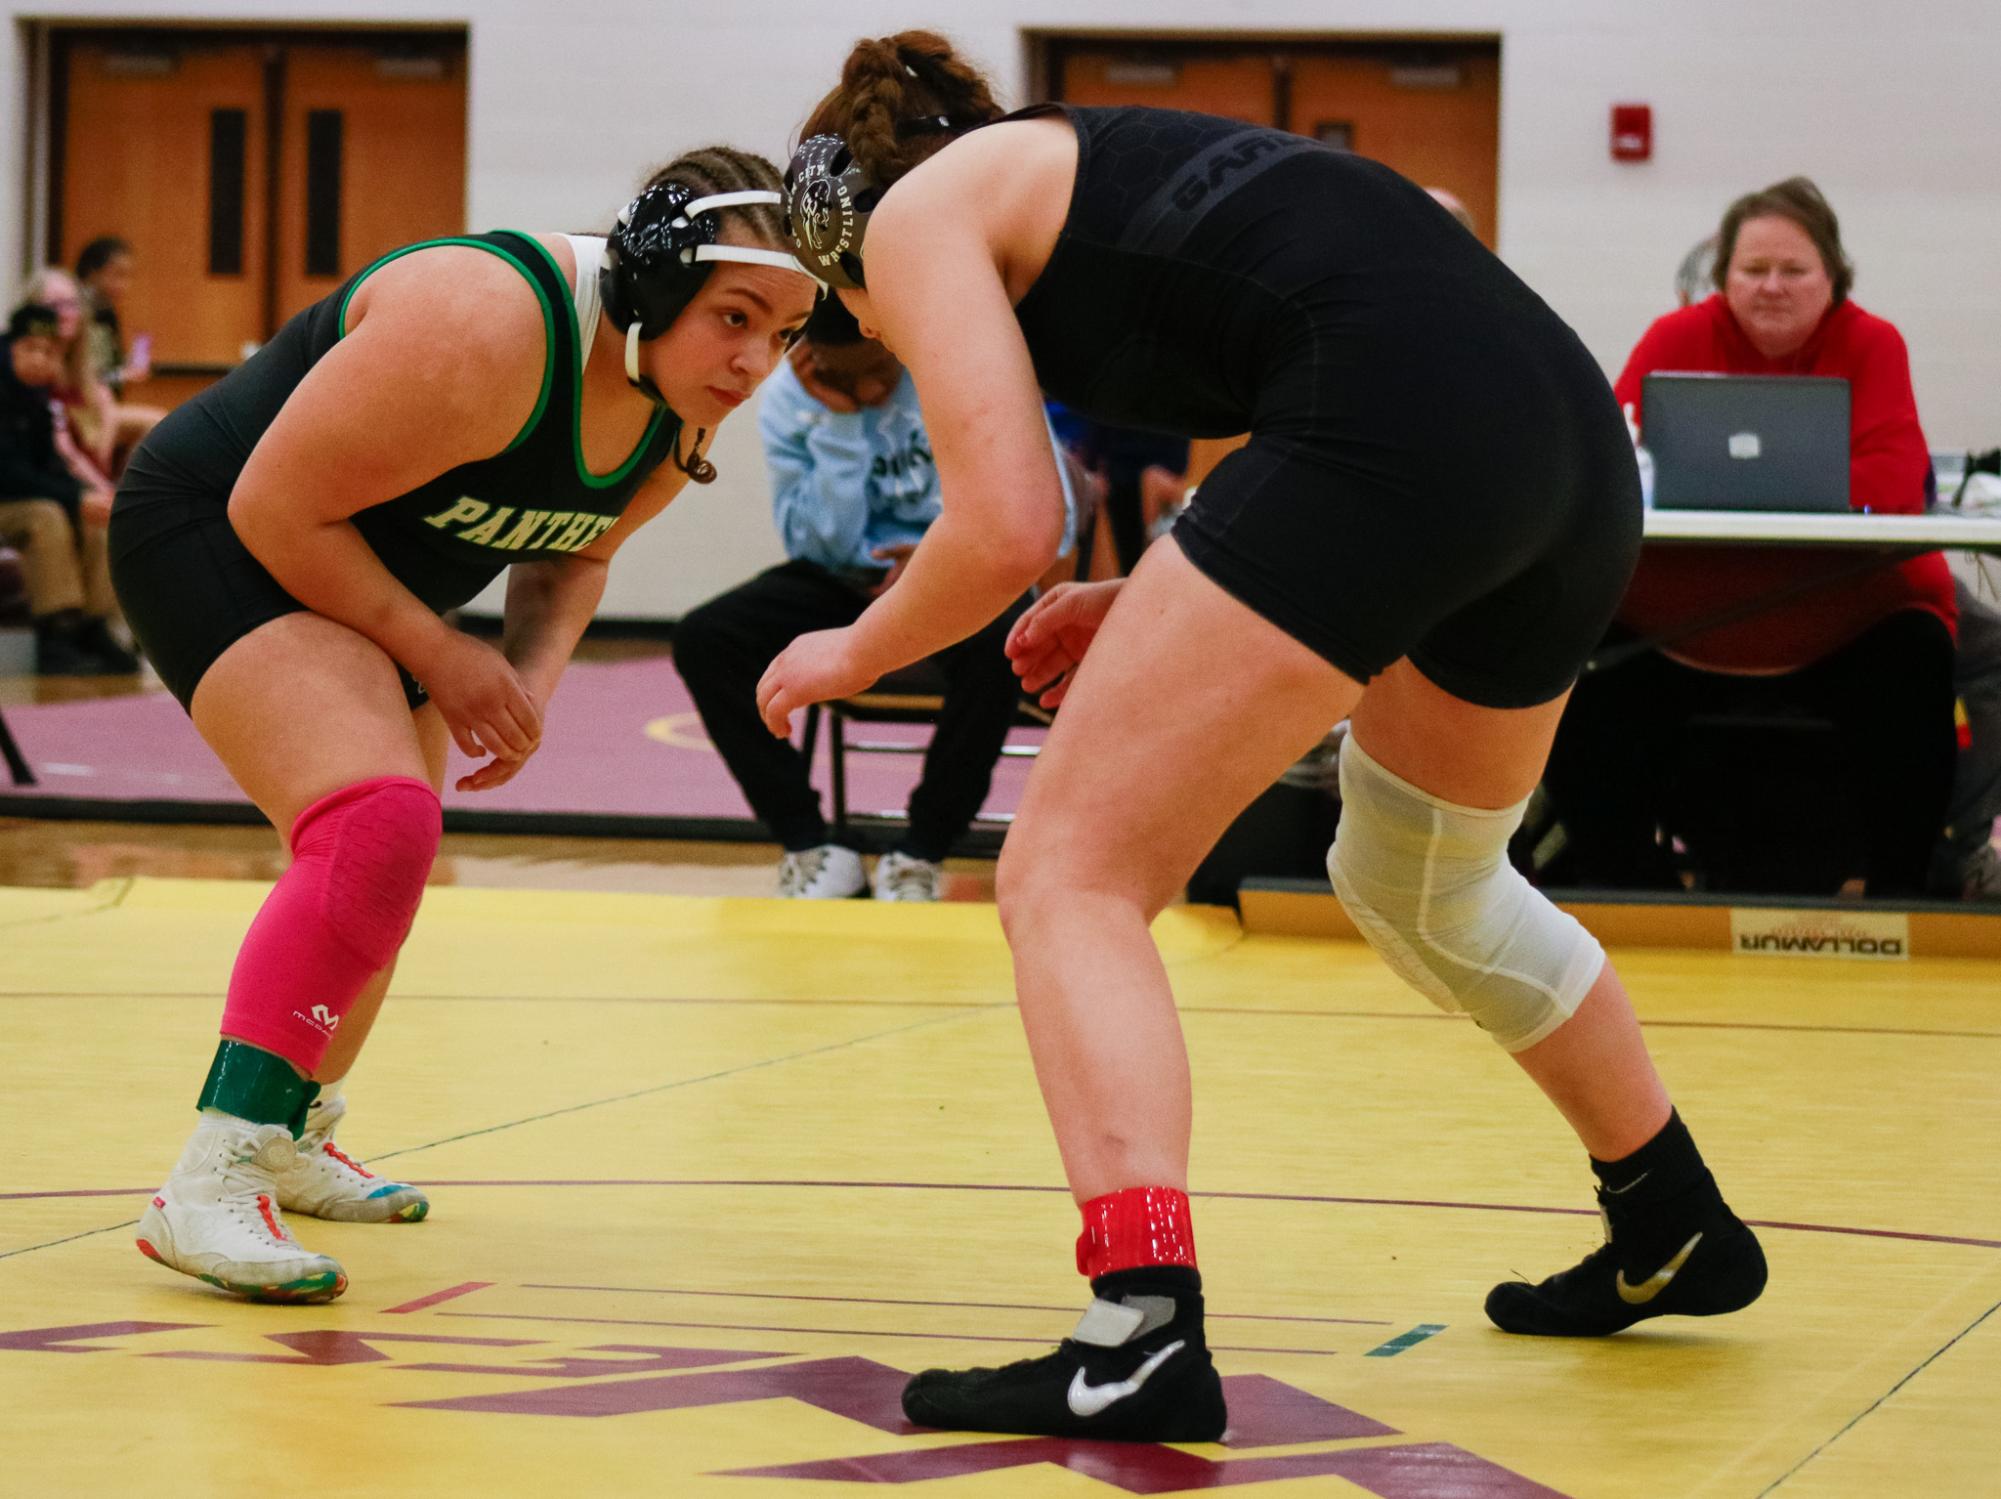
[(723, 647), (1888, 694)]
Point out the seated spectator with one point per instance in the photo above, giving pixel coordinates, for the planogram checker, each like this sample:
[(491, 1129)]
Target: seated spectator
[(853, 491), (1965, 863), (44, 511), (85, 423), (104, 271), (1871, 653)]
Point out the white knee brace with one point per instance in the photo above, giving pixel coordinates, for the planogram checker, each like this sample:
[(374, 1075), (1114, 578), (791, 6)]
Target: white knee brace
[(1430, 886)]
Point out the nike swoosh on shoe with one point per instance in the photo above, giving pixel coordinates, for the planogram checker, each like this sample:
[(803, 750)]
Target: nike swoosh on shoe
[(1087, 1399), (1656, 1283)]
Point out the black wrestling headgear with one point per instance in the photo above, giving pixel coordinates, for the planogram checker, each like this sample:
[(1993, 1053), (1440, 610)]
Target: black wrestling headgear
[(828, 200), (661, 251)]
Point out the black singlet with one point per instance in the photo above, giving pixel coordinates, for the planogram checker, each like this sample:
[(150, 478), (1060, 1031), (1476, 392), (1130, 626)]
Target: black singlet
[(190, 589), (1437, 467)]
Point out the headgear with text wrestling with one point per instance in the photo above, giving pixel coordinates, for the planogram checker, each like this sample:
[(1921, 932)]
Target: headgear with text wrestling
[(828, 200)]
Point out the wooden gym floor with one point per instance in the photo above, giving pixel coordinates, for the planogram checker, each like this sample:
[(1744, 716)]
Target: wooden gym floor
[(711, 1174)]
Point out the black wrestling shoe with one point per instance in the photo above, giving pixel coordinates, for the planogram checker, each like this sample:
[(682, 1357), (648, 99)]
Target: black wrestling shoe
[(1715, 1268), (1137, 1369)]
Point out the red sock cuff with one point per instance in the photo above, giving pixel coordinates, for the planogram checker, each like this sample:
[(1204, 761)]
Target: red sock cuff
[(1137, 1226)]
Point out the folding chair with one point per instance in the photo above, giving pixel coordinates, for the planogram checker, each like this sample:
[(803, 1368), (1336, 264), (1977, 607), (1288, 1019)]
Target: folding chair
[(915, 694)]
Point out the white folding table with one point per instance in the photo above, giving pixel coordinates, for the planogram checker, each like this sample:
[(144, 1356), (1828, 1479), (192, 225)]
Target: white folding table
[(1942, 530), (1893, 536)]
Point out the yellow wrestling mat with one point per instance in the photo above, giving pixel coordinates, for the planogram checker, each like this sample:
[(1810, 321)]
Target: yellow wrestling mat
[(710, 1176)]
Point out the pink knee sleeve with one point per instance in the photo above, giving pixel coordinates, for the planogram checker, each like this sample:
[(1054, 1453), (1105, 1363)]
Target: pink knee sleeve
[(359, 859)]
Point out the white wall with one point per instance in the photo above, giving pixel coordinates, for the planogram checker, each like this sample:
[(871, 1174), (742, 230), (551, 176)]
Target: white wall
[(1887, 106)]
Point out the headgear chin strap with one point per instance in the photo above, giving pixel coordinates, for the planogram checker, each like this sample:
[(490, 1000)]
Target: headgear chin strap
[(660, 253), (828, 200)]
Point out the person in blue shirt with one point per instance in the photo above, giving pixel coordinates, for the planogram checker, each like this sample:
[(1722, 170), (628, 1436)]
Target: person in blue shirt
[(853, 491)]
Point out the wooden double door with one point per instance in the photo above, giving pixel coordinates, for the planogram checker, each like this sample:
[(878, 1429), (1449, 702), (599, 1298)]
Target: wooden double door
[(251, 173)]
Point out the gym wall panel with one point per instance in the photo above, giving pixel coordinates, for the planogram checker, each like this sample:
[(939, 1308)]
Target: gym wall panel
[(570, 104)]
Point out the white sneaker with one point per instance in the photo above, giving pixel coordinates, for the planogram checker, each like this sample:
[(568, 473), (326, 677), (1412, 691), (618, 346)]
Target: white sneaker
[(828, 872), (325, 1182), (901, 877), (217, 1217)]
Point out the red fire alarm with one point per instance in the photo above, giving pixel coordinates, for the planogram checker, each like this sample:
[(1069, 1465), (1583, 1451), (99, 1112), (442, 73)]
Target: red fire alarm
[(1632, 132)]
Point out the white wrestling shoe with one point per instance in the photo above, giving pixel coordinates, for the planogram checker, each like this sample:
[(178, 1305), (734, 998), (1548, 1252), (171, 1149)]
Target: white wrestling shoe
[(902, 877), (828, 872), (325, 1182), (217, 1217)]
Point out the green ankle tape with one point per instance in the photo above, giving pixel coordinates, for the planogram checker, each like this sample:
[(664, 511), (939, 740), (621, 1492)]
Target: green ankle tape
[(257, 1085)]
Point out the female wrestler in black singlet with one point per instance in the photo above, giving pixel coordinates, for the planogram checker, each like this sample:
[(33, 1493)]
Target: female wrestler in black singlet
[(284, 544), (1428, 530)]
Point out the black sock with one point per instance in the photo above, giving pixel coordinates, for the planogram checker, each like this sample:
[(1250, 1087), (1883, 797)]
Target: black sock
[(1670, 1156), (1659, 1187), (1182, 1282)]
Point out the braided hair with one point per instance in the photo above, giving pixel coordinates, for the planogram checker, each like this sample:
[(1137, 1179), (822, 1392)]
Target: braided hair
[(724, 169), (901, 100)]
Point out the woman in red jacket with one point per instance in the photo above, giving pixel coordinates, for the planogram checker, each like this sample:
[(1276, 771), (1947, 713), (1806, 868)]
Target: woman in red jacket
[(1873, 653)]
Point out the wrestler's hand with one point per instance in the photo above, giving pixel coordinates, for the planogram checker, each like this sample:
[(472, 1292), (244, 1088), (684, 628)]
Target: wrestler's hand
[(493, 773), (483, 700), (489, 775), (1049, 640), (503, 768), (811, 670)]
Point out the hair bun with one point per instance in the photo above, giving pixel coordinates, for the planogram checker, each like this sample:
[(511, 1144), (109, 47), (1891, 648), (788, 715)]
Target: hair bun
[(894, 92), (873, 59)]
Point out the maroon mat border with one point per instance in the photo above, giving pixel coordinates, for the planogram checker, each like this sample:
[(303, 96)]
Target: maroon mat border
[(979, 843)]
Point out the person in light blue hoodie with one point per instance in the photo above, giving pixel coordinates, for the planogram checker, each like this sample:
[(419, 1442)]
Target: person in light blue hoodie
[(853, 492)]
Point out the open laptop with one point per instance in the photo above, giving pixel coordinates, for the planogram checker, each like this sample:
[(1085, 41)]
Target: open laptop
[(1747, 442)]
